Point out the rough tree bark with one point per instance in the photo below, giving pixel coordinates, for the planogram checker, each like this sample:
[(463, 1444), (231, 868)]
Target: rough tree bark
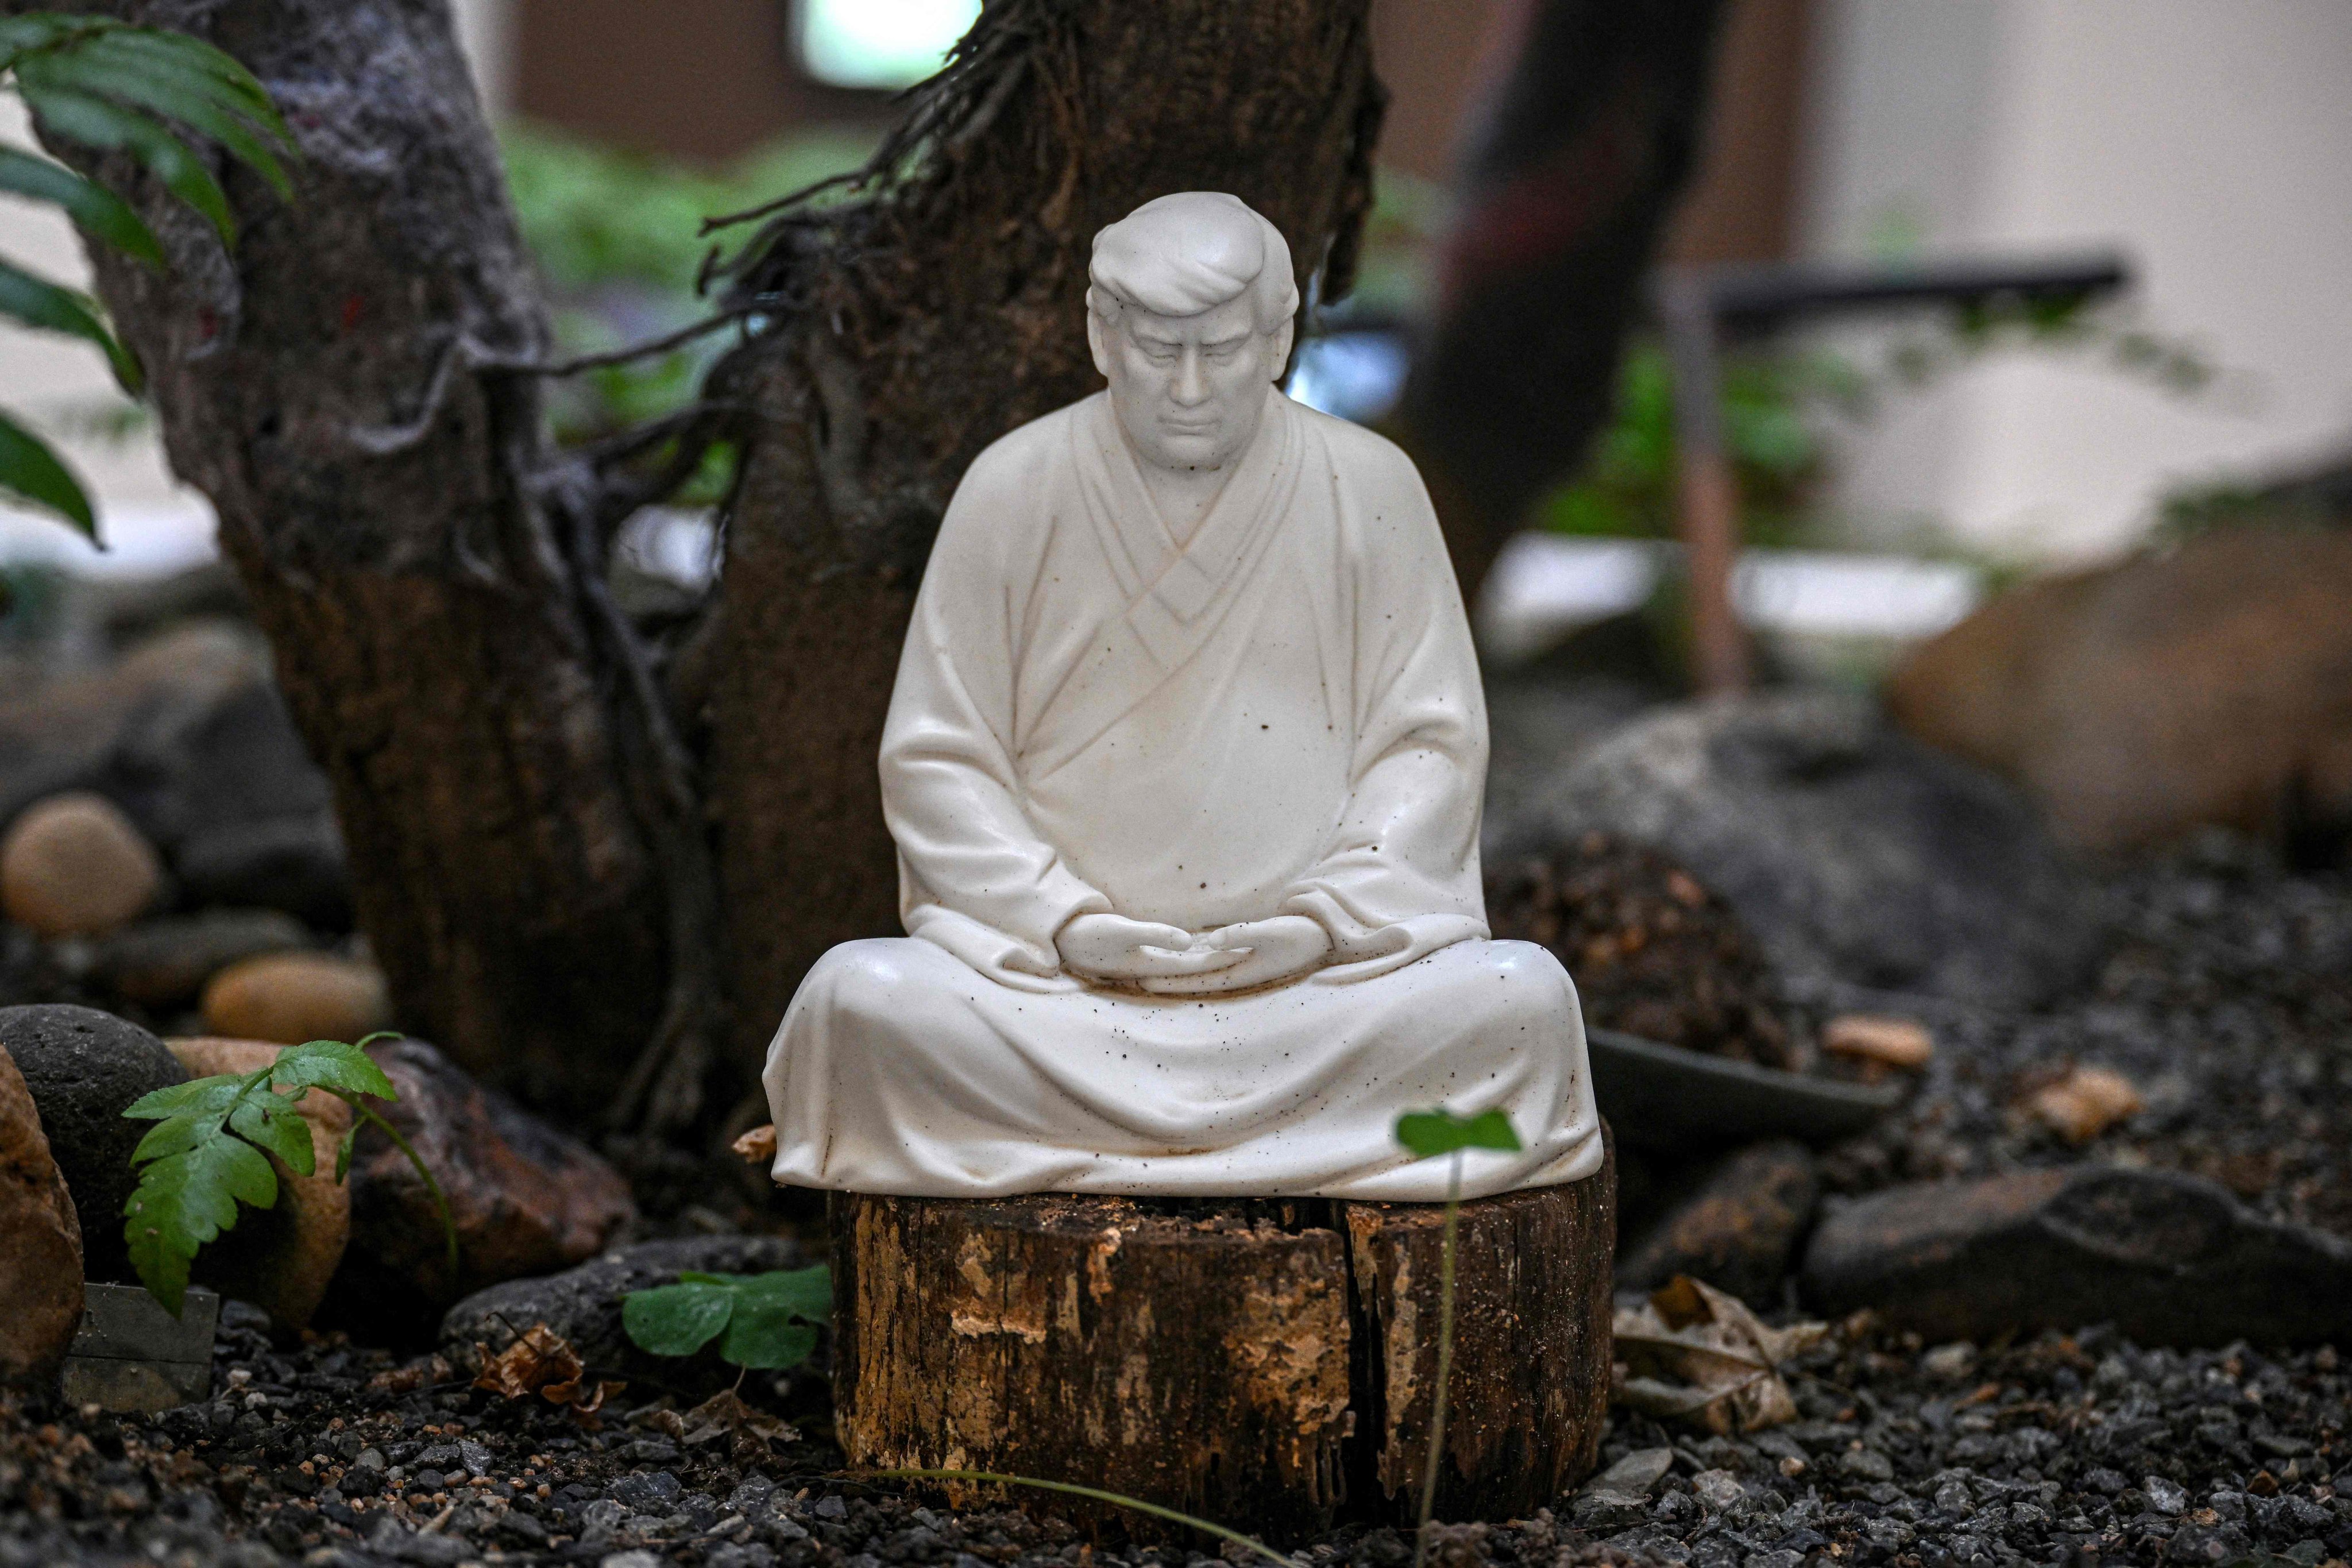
[(1567, 181), (1270, 1364), (921, 322), (349, 388)]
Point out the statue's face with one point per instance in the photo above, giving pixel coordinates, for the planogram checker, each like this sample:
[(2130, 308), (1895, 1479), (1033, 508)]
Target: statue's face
[(1189, 390)]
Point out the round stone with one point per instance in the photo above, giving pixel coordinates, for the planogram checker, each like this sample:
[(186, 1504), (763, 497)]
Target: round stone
[(74, 865), (291, 997), (84, 1067)]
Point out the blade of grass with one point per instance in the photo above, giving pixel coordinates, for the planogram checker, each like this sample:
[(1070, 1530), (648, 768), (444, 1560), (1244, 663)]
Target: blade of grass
[(1444, 1359), (1118, 1498)]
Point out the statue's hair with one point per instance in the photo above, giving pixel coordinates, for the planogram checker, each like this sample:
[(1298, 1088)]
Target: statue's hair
[(1189, 252)]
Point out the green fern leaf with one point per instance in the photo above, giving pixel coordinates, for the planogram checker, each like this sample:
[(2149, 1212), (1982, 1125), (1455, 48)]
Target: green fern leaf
[(185, 1200), (39, 304), (30, 471), (271, 1121), (330, 1064), (96, 122), (100, 212)]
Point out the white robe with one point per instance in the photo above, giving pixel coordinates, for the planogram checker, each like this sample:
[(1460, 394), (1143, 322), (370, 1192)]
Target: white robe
[(1283, 716)]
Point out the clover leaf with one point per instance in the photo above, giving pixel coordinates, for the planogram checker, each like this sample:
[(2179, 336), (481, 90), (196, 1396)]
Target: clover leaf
[(1429, 1134), (769, 1321)]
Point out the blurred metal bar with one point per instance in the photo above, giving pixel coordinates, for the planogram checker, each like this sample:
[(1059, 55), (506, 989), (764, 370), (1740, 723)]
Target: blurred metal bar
[(1708, 514), (1698, 307)]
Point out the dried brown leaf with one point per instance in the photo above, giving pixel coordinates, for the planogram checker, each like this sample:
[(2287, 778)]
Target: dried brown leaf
[(1698, 1353), (724, 1415)]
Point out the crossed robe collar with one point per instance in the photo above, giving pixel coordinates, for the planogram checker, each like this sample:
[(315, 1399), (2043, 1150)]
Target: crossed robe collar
[(1175, 594), (1174, 598)]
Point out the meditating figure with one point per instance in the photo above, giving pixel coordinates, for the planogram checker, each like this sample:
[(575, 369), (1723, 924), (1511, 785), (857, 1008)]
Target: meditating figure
[(1184, 764)]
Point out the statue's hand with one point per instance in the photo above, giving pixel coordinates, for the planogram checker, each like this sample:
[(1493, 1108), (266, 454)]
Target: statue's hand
[(1112, 947), (1275, 948)]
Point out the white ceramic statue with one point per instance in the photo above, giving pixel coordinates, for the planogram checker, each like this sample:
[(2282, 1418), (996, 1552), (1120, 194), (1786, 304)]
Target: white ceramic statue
[(1184, 764)]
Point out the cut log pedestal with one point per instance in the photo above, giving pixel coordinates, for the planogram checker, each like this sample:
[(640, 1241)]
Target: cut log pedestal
[(1269, 1364)]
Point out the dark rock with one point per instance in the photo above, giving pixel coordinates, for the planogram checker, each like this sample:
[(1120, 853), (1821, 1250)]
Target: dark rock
[(166, 962), (1849, 849), (290, 863), (2168, 1259), (84, 1067), (527, 1199), (187, 734), (41, 1241), (1737, 1230), (583, 1305)]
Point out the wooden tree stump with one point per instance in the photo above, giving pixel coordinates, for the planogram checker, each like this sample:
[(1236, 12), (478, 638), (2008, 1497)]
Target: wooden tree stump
[(1270, 1364)]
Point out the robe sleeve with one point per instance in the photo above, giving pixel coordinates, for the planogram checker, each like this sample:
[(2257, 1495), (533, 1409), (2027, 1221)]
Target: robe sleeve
[(975, 876), (1399, 877)]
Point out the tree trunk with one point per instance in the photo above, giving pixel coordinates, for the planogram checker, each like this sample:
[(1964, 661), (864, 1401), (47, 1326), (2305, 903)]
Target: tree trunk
[(1269, 1364), (349, 388), (921, 321), (1566, 183)]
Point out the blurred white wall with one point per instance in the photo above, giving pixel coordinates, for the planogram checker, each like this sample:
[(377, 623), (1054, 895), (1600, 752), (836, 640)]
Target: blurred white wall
[(54, 383), (2211, 142)]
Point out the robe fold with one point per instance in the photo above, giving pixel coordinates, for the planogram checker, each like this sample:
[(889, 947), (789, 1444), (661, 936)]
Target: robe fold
[(1280, 715)]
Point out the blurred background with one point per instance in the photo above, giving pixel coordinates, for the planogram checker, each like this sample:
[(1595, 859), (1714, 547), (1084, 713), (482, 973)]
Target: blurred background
[(2203, 148)]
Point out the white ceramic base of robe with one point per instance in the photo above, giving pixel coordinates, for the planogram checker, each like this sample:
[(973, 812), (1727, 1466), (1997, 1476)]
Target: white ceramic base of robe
[(900, 1069)]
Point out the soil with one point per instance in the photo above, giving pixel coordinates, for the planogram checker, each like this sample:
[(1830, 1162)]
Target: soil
[(1654, 952)]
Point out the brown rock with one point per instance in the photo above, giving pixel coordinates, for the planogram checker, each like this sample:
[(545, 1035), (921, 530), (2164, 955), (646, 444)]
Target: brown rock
[(528, 1200), (73, 865), (1891, 1042), (2210, 686), (41, 1241), (2085, 1104), (294, 997), (281, 1259), (1737, 1230)]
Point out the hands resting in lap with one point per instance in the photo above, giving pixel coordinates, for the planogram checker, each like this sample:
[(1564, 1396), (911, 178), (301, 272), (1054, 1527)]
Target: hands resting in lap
[(1171, 962)]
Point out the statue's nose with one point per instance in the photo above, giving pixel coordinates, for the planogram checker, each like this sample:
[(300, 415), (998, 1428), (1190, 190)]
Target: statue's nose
[(1190, 386)]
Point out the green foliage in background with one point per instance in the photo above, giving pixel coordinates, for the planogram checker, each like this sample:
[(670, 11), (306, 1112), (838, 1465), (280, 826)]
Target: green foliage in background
[(769, 1321), (1771, 407), (204, 1154), (1782, 402), (144, 92), (620, 245)]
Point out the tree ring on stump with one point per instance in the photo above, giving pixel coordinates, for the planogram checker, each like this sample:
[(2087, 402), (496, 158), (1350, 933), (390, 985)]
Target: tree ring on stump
[(1270, 1364)]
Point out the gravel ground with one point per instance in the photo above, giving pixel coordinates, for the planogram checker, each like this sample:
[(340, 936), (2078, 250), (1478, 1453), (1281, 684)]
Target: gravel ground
[(2074, 1450), (2227, 1000)]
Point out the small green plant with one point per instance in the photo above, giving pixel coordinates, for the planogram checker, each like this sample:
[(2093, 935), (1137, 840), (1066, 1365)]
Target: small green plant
[(1427, 1135), (112, 87), (769, 1321), (206, 1153)]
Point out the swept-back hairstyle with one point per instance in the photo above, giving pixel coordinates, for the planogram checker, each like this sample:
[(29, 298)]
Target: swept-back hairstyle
[(1190, 252)]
